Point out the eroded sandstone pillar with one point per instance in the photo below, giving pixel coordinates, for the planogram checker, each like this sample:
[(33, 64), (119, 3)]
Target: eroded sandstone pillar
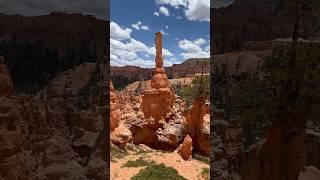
[(158, 101), (159, 79)]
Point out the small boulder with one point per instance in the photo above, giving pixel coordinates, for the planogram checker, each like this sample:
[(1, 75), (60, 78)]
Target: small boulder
[(185, 149)]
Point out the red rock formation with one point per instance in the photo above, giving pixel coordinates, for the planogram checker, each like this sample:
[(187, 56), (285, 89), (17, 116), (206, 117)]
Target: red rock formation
[(185, 149), (121, 136), (114, 109), (280, 155), (157, 102), (12, 162), (198, 122), (50, 138)]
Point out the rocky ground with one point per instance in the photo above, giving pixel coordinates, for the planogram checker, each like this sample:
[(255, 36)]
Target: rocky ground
[(121, 169), (167, 139)]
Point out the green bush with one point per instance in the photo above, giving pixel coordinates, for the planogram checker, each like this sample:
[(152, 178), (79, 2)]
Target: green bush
[(158, 172), (200, 87), (205, 173), (139, 163), (283, 86)]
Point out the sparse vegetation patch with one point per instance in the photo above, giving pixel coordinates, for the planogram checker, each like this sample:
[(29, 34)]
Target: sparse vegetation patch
[(158, 172), (205, 173), (116, 153), (139, 162), (202, 158)]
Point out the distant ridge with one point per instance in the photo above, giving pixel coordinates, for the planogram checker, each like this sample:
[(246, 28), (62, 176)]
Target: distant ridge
[(38, 48), (122, 76), (249, 20)]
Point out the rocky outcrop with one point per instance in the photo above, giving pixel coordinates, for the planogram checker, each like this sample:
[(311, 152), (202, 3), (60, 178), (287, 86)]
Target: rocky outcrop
[(121, 136), (153, 117), (12, 162), (48, 136), (227, 147), (234, 147), (282, 152), (185, 149), (114, 109), (151, 114), (198, 125)]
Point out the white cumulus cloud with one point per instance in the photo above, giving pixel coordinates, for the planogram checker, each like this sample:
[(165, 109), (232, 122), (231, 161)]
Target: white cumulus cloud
[(163, 10), (200, 41), (139, 26), (145, 28), (173, 3), (118, 33), (198, 10), (194, 10), (194, 49)]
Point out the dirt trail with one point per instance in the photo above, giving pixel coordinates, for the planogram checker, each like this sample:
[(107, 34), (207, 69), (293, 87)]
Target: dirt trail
[(188, 169)]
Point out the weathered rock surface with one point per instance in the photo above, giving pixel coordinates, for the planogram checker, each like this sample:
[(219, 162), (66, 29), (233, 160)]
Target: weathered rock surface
[(51, 136), (227, 147), (12, 162), (198, 125), (114, 109), (121, 136), (157, 102), (185, 149)]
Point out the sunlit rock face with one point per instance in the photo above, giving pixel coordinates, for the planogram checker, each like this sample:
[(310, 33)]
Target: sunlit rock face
[(198, 123), (185, 149)]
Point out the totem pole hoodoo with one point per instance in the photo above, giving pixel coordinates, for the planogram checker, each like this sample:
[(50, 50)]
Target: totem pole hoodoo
[(157, 102)]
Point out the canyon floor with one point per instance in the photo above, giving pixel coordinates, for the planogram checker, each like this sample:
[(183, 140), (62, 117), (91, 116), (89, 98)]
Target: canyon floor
[(127, 164)]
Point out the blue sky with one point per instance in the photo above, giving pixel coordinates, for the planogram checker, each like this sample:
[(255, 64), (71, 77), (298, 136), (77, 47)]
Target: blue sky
[(185, 24)]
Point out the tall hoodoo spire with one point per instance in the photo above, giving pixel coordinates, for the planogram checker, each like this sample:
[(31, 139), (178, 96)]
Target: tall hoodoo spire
[(159, 58), (159, 79), (158, 100)]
